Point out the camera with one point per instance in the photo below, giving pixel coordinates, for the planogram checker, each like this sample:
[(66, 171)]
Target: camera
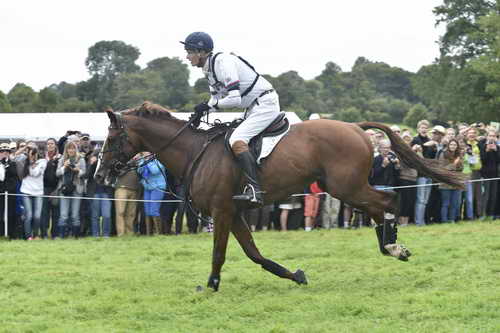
[(492, 142), (72, 165), (392, 157)]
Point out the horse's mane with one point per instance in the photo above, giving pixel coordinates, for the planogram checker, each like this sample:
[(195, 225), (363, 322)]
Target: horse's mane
[(153, 112), (150, 111)]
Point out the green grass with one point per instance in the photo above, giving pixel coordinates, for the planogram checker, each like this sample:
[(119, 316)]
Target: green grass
[(450, 284)]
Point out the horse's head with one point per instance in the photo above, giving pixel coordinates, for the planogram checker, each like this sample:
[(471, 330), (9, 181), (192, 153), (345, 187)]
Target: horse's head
[(116, 151)]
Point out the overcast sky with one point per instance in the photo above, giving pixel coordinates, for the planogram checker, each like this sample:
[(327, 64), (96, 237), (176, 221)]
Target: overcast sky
[(45, 42)]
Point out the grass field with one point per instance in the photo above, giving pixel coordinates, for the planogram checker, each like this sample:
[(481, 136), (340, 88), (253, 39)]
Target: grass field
[(141, 284)]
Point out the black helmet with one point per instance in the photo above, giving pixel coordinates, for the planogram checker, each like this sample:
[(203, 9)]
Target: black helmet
[(199, 41)]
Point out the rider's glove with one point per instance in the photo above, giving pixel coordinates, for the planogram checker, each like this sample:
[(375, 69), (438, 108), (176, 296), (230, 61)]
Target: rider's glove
[(201, 108)]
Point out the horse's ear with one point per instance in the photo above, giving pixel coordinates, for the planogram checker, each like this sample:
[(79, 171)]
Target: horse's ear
[(111, 115)]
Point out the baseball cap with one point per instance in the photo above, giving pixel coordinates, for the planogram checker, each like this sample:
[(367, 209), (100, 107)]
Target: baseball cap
[(439, 129), (4, 147)]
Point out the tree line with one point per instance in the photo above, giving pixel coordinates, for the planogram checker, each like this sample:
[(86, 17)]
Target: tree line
[(463, 84)]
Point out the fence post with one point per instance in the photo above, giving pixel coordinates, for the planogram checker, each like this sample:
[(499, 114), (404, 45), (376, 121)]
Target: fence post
[(6, 213)]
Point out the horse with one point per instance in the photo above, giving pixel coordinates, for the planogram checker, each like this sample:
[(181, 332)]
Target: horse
[(336, 154)]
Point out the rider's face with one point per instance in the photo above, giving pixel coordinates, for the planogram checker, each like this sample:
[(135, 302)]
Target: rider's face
[(196, 58)]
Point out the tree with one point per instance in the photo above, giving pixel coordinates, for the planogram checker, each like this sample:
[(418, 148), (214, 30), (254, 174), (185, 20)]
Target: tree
[(175, 91), (416, 113), (463, 38), (351, 114), (107, 60), (64, 89), (133, 89), (4, 103), (73, 104), (22, 98)]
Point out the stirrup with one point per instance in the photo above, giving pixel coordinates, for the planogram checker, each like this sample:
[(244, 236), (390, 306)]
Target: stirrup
[(249, 194)]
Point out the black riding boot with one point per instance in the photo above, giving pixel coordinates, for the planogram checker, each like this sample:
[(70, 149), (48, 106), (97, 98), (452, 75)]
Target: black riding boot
[(252, 193)]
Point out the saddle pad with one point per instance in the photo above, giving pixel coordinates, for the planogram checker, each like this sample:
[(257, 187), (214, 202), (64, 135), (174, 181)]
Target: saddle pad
[(268, 144)]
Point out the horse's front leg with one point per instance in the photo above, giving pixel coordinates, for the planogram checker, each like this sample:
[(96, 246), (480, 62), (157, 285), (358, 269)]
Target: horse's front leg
[(222, 226), (242, 233)]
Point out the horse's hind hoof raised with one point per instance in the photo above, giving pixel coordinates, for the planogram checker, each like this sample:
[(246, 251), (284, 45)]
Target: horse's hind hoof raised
[(398, 251), (300, 277), (405, 253)]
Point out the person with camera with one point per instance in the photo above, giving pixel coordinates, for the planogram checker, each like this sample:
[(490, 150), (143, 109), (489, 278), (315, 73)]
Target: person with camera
[(32, 189), (421, 146), (50, 207), (450, 159), (490, 161), (99, 207), (65, 138), (70, 170), (8, 183), (386, 166)]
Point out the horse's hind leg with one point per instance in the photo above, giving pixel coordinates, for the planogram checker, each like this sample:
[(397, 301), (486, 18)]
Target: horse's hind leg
[(376, 203), (241, 232)]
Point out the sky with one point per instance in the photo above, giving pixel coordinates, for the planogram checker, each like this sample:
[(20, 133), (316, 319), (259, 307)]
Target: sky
[(46, 42)]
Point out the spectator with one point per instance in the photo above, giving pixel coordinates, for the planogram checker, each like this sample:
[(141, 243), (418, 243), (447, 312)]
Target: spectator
[(8, 183), (396, 129), (50, 206), (311, 205), (127, 189), (151, 173), (169, 207), (433, 209), (62, 141), (474, 157), (407, 177), (32, 188), (451, 159), (329, 212), (420, 144), (71, 171), (385, 167), (101, 206), (490, 162), (286, 207), (85, 149), (259, 218)]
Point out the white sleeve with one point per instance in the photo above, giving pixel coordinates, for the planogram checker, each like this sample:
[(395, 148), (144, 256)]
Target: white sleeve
[(2, 172), (227, 74)]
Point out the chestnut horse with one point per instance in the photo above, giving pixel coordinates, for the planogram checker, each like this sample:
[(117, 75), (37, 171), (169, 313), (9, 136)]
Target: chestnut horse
[(337, 154)]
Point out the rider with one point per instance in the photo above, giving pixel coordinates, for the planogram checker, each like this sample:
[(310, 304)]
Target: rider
[(234, 83)]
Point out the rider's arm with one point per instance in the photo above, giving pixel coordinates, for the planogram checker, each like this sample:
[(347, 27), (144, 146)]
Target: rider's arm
[(227, 72)]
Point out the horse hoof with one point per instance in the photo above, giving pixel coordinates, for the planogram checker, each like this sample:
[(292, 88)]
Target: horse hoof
[(300, 277), (405, 253), (213, 282), (199, 288), (398, 251)]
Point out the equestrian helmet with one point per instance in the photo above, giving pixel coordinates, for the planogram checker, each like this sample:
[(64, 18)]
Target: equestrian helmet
[(199, 41)]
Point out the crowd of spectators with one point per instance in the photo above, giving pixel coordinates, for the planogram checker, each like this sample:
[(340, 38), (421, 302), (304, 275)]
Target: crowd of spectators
[(54, 179)]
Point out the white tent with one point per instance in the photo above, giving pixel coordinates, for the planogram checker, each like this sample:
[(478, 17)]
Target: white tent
[(41, 126)]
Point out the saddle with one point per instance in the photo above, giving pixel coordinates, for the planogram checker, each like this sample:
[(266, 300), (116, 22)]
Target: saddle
[(279, 126)]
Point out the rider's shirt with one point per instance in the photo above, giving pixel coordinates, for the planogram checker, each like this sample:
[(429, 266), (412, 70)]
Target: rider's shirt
[(228, 72)]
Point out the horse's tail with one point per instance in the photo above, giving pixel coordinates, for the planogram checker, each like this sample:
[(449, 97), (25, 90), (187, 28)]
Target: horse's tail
[(428, 167)]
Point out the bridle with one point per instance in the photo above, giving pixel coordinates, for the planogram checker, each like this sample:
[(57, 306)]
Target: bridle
[(117, 165), (122, 164)]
